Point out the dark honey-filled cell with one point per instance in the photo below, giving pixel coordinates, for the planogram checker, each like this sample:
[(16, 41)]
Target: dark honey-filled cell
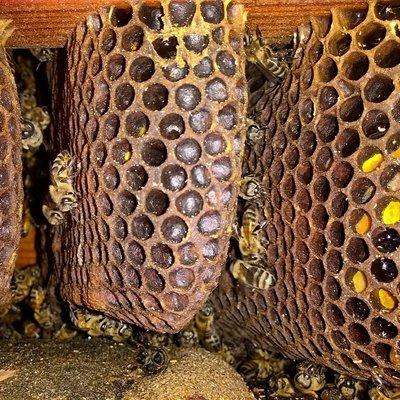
[(160, 86), (329, 162)]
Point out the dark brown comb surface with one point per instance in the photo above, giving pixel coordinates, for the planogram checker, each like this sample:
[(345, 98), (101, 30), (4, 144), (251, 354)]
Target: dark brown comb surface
[(153, 105), (10, 172), (330, 166)]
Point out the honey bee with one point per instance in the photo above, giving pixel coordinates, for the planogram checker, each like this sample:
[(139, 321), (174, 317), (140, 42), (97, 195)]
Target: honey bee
[(252, 273), (331, 392), (249, 241), (27, 100), (64, 333), (204, 319), (280, 385), (63, 197), (62, 169), (31, 330), (22, 282), (42, 54), (309, 378), (8, 332), (226, 354), (188, 337), (254, 132), (36, 298), (153, 339), (381, 393), (261, 55), (153, 359), (250, 188), (32, 136), (39, 116), (54, 217), (100, 325), (350, 389)]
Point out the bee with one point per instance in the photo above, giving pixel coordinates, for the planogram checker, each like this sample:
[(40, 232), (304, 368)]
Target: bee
[(310, 378), (64, 333), (204, 319), (54, 217), (22, 282), (331, 392), (227, 355), (153, 359), (250, 187), (382, 393), (254, 132), (252, 273), (188, 337), (349, 388), (32, 136), (36, 298), (42, 54), (31, 330), (39, 116), (63, 197), (249, 242), (212, 341), (27, 100), (262, 55), (8, 332), (116, 330), (62, 169), (154, 339), (280, 385)]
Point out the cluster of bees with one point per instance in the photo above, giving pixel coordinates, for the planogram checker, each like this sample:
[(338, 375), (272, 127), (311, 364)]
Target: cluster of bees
[(62, 194)]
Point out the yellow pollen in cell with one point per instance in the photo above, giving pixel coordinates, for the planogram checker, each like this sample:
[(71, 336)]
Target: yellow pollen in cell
[(396, 153), (391, 213), (372, 163), (364, 224), (386, 299), (127, 156), (359, 282), (142, 131)]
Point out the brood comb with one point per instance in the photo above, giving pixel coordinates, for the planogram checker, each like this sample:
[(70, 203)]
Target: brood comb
[(152, 108), (330, 167), (10, 171)]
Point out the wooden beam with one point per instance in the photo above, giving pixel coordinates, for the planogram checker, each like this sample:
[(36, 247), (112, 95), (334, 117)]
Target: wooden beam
[(47, 23)]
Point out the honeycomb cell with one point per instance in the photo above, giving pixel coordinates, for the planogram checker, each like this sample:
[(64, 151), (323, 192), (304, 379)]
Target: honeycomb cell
[(135, 253), (162, 255), (226, 63), (378, 88), (188, 151), (347, 142), (357, 308), (174, 229), (155, 97), (132, 38), (174, 177), (228, 117), (387, 55), (121, 151), (205, 68), (370, 35), (383, 300), (214, 144), (182, 278), (342, 174), (111, 177), (166, 48), (369, 159), (222, 169), (383, 328), (217, 90), (108, 40), (175, 301), (154, 152), (172, 126), (390, 178), (142, 227), (157, 202), (355, 66), (196, 42), (327, 69), (351, 109), (328, 97), (111, 127), (339, 44), (187, 97), (362, 190), (127, 202), (115, 67), (142, 69), (189, 203), (358, 334), (375, 124), (212, 11), (136, 177), (200, 121), (210, 223), (386, 240), (151, 15), (175, 72), (384, 270), (389, 210), (137, 124), (182, 13), (327, 128), (360, 221), (357, 250)]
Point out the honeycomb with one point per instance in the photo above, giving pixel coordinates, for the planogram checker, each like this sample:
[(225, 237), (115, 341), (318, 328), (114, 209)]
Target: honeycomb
[(151, 103), (330, 169), (10, 172)]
